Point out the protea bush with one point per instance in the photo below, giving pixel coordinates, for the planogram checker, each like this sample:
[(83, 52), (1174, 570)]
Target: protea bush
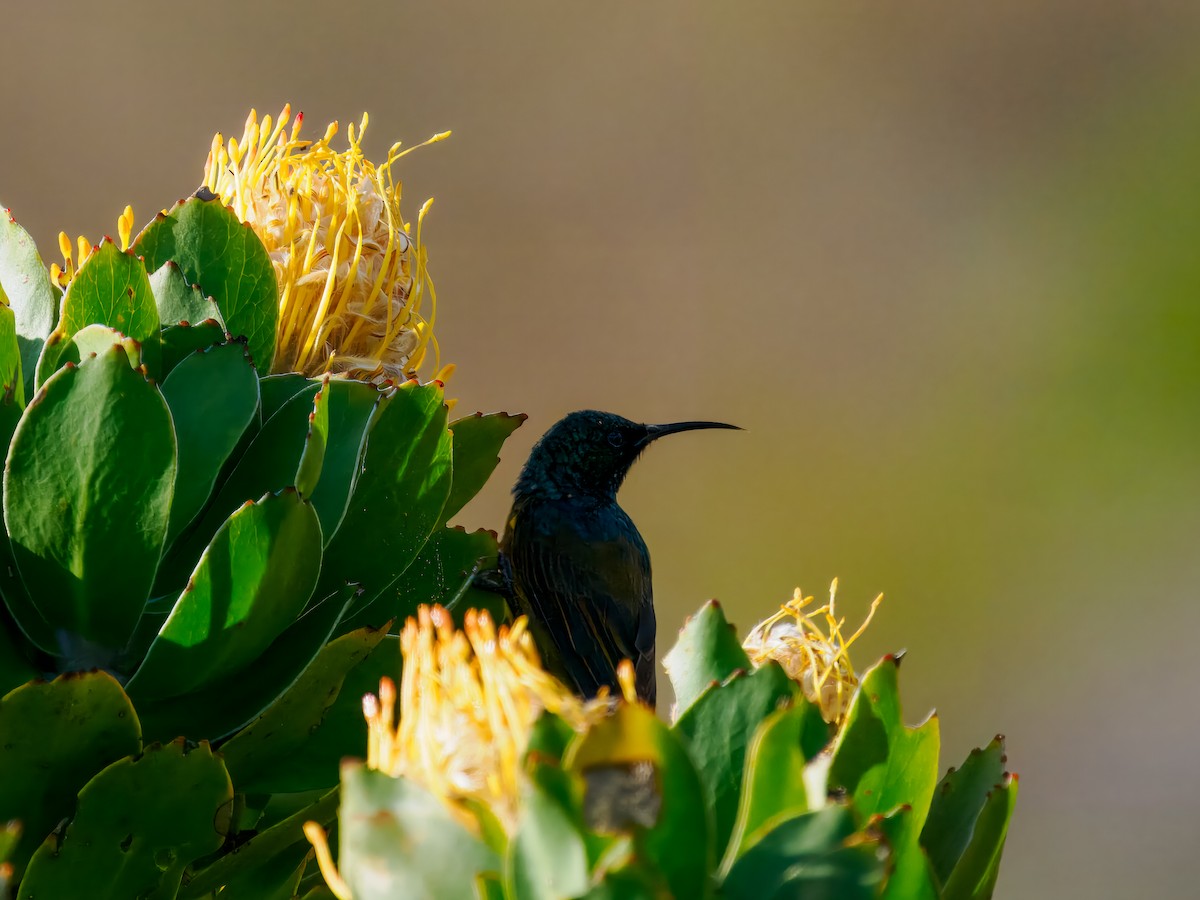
[(781, 775), (226, 494)]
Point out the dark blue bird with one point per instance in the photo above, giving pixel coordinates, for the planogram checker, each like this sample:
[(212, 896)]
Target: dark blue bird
[(573, 562)]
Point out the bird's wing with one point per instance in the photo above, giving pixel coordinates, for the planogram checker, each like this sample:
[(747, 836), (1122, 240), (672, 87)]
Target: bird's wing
[(587, 588)]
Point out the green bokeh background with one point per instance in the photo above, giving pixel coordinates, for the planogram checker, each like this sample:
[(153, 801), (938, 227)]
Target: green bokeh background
[(940, 260)]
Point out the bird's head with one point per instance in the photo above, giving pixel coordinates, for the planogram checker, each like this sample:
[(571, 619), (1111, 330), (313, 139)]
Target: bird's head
[(588, 453)]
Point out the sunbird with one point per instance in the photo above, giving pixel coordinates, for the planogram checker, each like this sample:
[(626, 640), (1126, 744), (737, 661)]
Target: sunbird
[(571, 559)]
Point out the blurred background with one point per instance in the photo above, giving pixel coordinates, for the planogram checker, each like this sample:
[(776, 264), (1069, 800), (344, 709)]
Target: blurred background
[(939, 260)]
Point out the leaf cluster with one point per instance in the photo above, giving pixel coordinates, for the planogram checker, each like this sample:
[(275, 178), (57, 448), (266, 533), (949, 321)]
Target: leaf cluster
[(748, 794), (201, 564)]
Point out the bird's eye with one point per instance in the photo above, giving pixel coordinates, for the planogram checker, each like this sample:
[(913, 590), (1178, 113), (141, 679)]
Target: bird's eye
[(616, 439)]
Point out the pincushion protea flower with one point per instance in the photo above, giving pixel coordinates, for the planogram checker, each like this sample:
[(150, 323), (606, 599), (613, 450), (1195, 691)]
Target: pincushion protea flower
[(809, 644), (468, 701), (741, 771), (352, 276)]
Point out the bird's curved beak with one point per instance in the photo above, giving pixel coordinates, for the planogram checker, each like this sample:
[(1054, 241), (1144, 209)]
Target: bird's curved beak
[(654, 432)]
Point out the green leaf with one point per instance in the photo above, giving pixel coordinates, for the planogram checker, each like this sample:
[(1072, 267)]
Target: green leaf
[(910, 877), (299, 740), (817, 733), (231, 701), (974, 877), (178, 301), (397, 500), (213, 398), (139, 824), (268, 465), (154, 614), (496, 605), (547, 858), (959, 798), (351, 405), (10, 833), (627, 883), (16, 668), (773, 785), (877, 759), (312, 458), (883, 765), (21, 619), (272, 458), (707, 651), (441, 569), (277, 390), (808, 857), (226, 260), (477, 443), (276, 879), (250, 584), (489, 886), (641, 780), (548, 739), (87, 495), (89, 341), (110, 288), (57, 735), (455, 557), (12, 385), (260, 849), (181, 341), (718, 728), (398, 840), (27, 617), (491, 829), (25, 285)]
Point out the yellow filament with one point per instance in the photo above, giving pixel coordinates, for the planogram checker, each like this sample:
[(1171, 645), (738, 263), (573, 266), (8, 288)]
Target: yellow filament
[(316, 836)]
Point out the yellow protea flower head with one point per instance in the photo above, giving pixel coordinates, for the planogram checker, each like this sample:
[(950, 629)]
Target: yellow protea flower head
[(809, 644), (468, 701), (352, 275)]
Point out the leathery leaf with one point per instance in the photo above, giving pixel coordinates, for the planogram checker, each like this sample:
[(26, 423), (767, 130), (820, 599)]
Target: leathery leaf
[(87, 496), (250, 584)]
